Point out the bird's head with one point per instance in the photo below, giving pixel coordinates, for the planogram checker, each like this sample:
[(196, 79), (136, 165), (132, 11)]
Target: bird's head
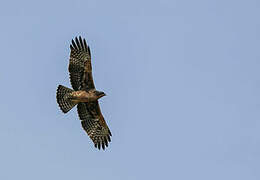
[(99, 94)]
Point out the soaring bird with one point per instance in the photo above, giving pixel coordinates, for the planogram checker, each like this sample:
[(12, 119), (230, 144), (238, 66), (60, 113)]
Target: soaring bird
[(84, 94)]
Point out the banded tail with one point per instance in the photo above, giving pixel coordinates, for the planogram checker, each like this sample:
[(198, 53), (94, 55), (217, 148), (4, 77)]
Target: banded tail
[(63, 98)]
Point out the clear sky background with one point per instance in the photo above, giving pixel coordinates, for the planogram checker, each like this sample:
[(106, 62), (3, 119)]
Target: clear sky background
[(182, 81)]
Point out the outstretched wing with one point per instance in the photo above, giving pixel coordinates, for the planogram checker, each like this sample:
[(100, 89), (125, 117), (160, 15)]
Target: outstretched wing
[(80, 65), (94, 124)]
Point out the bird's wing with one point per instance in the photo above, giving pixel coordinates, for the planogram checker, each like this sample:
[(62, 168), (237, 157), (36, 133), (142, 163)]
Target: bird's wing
[(94, 123), (80, 65)]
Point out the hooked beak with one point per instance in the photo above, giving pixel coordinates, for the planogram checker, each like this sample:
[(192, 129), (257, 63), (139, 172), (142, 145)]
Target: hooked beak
[(102, 94)]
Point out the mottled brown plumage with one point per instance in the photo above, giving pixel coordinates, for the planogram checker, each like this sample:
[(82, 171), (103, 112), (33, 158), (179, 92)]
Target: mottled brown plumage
[(84, 95)]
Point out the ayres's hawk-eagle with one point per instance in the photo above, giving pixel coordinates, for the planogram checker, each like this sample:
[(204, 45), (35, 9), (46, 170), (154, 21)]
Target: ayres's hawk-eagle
[(84, 94)]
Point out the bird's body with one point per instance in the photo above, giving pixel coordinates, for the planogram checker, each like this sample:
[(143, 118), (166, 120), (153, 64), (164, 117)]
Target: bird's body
[(84, 94)]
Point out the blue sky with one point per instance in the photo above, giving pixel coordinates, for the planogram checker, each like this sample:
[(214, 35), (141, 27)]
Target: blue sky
[(182, 82)]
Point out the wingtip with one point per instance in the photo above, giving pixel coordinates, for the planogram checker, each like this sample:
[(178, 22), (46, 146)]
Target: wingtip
[(108, 138), (79, 43), (106, 143), (73, 44)]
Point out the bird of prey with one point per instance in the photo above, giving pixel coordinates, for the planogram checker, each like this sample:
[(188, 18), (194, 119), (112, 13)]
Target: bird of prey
[(84, 95)]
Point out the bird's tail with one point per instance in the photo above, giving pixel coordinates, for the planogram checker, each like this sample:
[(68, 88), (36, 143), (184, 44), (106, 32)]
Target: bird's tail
[(63, 97)]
